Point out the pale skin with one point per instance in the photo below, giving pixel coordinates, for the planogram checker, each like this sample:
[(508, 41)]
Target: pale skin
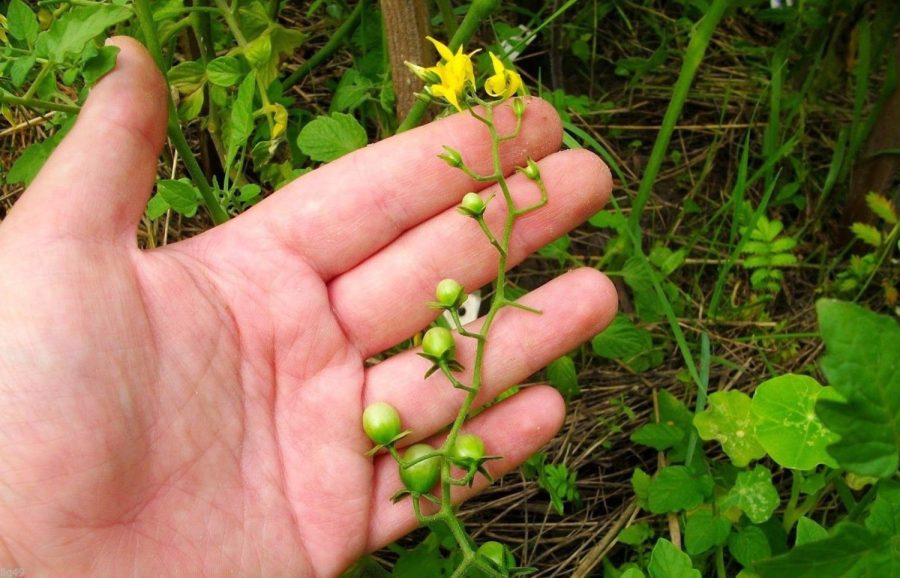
[(195, 410)]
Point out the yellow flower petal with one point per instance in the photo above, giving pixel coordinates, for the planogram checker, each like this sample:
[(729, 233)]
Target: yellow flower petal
[(442, 49)]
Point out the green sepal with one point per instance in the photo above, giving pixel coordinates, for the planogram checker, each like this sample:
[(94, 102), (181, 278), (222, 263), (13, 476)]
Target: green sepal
[(394, 440)]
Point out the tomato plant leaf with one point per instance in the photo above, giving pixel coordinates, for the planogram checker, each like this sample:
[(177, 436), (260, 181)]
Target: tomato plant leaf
[(786, 423), (729, 421), (862, 362), (21, 22), (225, 71), (327, 138), (100, 64), (667, 561), (69, 33), (754, 494), (180, 195)]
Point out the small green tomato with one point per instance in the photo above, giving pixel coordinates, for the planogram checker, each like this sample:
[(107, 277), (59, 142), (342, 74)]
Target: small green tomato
[(420, 477), (438, 343), (472, 205), (498, 554), (450, 293), (381, 422), (468, 449)]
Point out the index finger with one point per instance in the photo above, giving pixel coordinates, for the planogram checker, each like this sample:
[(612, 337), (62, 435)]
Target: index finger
[(345, 211)]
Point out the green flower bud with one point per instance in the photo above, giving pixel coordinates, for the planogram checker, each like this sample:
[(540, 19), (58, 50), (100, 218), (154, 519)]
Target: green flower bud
[(532, 171), (438, 343), (451, 157), (472, 205), (426, 75), (519, 107), (450, 294)]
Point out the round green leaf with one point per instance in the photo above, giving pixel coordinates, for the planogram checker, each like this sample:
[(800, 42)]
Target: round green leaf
[(728, 420), (754, 494), (704, 531), (784, 409), (748, 545)]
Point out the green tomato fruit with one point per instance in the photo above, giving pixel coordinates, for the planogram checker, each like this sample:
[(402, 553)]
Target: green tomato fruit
[(468, 449), (450, 293), (472, 205), (420, 477), (381, 422), (438, 343), (498, 554)]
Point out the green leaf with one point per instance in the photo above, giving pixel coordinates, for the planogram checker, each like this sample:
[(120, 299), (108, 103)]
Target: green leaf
[(190, 106), (29, 163), (70, 33), (621, 340), (351, 91), (667, 561), (100, 64), (608, 220), (156, 207), (659, 436), (640, 483), (21, 22), (882, 207), (636, 534), (862, 362), (562, 375), (705, 531), (884, 515), (327, 138), (632, 573), (851, 551), (225, 71), (748, 545), (180, 195), (867, 234), (187, 77), (728, 420), (754, 494), (809, 531), (786, 423), (240, 125), (20, 68), (676, 488)]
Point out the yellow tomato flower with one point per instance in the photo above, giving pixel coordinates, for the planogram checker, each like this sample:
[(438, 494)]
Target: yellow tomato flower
[(455, 73), (504, 83)]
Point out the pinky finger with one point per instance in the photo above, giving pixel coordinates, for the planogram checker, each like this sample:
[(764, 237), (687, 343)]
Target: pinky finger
[(514, 429)]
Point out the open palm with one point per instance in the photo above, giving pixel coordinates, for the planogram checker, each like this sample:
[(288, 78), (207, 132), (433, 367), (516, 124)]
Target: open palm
[(195, 410)]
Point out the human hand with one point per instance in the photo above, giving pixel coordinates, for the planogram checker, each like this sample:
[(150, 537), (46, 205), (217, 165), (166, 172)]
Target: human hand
[(196, 409)]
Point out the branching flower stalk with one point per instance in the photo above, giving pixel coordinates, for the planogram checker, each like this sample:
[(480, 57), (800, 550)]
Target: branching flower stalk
[(423, 467)]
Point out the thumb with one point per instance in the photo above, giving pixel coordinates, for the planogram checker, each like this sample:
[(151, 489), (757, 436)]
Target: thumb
[(97, 181)]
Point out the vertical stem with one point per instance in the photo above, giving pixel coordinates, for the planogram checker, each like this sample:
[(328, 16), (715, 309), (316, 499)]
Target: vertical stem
[(145, 19), (700, 38), (448, 17)]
